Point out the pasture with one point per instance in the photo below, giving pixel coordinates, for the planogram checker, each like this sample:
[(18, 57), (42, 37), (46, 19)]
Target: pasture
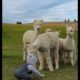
[(12, 52)]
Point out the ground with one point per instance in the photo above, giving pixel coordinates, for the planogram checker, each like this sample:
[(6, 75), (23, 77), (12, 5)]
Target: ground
[(12, 51)]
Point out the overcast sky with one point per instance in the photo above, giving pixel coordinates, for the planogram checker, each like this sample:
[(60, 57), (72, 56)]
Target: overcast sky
[(48, 10)]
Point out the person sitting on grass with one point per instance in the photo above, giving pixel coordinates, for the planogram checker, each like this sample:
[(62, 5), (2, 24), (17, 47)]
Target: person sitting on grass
[(24, 72)]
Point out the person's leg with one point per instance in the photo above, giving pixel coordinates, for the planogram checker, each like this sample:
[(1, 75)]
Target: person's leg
[(23, 75), (25, 79), (17, 78)]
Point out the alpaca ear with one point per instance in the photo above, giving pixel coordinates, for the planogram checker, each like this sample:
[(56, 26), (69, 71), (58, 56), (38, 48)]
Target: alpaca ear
[(34, 46)]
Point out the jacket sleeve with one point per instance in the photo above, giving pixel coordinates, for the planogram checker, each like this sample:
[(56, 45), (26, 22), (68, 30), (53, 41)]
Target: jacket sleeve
[(35, 71)]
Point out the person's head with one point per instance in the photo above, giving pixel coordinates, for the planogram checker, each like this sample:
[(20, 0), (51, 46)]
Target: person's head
[(32, 58), (31, 54)]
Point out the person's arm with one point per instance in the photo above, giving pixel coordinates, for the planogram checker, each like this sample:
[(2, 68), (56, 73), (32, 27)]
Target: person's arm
[(35, 71)]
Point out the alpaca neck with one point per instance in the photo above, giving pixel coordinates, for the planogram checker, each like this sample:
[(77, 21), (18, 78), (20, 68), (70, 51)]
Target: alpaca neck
[(37, 28), (69, 37), (69, 40), (36, 43), (37, 31)]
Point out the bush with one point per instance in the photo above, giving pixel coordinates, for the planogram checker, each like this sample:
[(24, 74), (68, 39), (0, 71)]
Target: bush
[(19, 22)]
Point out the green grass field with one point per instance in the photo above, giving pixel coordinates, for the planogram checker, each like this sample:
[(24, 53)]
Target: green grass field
[(12, 52)]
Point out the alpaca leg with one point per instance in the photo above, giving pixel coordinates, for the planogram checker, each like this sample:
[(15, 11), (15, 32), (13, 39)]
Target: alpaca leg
[(24, 53), (71, 55), (41, 60), (52, 55), (75, 57), (56, 56), (48, 60), (66, 59), (61, 56)]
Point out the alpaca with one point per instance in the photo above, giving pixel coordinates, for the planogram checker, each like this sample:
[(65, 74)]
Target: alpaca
[(67, 46), (30, 35), (42, 46)]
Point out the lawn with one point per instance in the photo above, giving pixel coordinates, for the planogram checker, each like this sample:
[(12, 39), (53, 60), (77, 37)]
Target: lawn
[(12, 48)]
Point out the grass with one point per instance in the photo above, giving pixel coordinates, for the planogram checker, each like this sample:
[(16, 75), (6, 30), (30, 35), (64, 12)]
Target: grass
[(12, 52)]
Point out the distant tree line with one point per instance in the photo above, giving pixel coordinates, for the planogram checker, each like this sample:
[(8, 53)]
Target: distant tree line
[(18, 22), (68, 20)]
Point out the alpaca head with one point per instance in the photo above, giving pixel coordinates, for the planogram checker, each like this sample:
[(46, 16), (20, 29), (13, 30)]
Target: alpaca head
[(31, 58), (31, 49), (70, 31), (37, 24)]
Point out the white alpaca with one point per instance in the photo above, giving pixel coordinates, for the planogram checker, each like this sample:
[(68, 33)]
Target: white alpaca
[(67, 45), (30, 35), (43, 44)]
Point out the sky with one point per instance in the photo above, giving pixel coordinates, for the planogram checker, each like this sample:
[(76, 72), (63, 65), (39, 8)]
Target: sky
[(47, 10)]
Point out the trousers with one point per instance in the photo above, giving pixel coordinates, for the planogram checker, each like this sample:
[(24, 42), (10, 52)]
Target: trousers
[(22, 73)]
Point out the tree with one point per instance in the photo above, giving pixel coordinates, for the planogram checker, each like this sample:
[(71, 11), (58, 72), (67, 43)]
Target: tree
[(19, 23)]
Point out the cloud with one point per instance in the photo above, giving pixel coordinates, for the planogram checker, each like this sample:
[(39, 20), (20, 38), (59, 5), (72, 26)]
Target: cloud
[(62, 11), (48, 10)]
